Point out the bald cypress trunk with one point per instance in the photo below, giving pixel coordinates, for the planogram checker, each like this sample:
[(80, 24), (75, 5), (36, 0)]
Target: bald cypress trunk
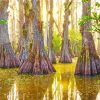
[(65, 54), (37, 62), (24, 33), (7, 56), (23, 54), (88, 62), (50, 35), (98, 45)]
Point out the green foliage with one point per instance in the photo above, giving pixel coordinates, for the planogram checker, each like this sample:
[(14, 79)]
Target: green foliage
[(85, 0), (94, 17), (75, 38), (3, 22), (46, 48), (57, 40), (97, 4), (84, 20)]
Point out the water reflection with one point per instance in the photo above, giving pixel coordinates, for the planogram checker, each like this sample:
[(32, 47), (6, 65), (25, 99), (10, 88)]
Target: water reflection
[(34, 88), (57, 90), (5, 87), (6, 82), (73, 93), (62, 85), (13, 93), (89, 87), (98, 96)]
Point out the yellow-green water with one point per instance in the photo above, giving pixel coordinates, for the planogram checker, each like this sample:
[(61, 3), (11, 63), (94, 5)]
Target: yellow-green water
[(62, 85)]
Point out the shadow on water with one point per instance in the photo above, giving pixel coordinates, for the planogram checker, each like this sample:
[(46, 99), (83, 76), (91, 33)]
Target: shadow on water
[(62, 85)]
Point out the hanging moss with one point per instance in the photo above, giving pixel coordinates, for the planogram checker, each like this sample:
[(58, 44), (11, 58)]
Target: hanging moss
[(28, 8)]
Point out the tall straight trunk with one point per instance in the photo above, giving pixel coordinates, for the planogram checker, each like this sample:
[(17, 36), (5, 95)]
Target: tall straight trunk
[(88, 62), (20, 21), (46, 24), (23, 54), (65, 54), (74, 48), (50, 37), (24, 34), (37, 62), (11, 21), (98, 45), (7, 56)]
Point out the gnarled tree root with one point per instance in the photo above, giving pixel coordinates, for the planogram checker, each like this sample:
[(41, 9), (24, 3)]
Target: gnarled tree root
[(65, 58), (88, 67), (7, 57), (23, 56), (37, 65)]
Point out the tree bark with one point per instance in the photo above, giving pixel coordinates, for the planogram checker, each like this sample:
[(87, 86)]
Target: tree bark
[(25, 12), (98, 44), (23, 54), (11, 21), (88, 62), (65, 54), (37, 62), (50, 37), (7, 56)]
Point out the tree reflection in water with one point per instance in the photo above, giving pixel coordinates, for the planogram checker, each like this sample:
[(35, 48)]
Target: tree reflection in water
[(73, 93), (13, 93), (88, 86), (30, 87), (98, 96)]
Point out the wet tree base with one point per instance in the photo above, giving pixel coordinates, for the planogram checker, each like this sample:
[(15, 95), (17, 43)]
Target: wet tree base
[(65, 59), (53, 60), (7, 57), (65, 56), (52, 57), (88, 67), (23, 56), (37, 65)]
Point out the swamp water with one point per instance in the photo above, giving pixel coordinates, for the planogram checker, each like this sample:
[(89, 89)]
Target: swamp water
[(62, 85)]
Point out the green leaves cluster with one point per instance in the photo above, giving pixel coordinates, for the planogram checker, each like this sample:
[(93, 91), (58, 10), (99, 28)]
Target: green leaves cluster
[(75, 38), (3, 22), (94, 17), (85, 0), (84, 20), (57, 41), (97, 4)]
